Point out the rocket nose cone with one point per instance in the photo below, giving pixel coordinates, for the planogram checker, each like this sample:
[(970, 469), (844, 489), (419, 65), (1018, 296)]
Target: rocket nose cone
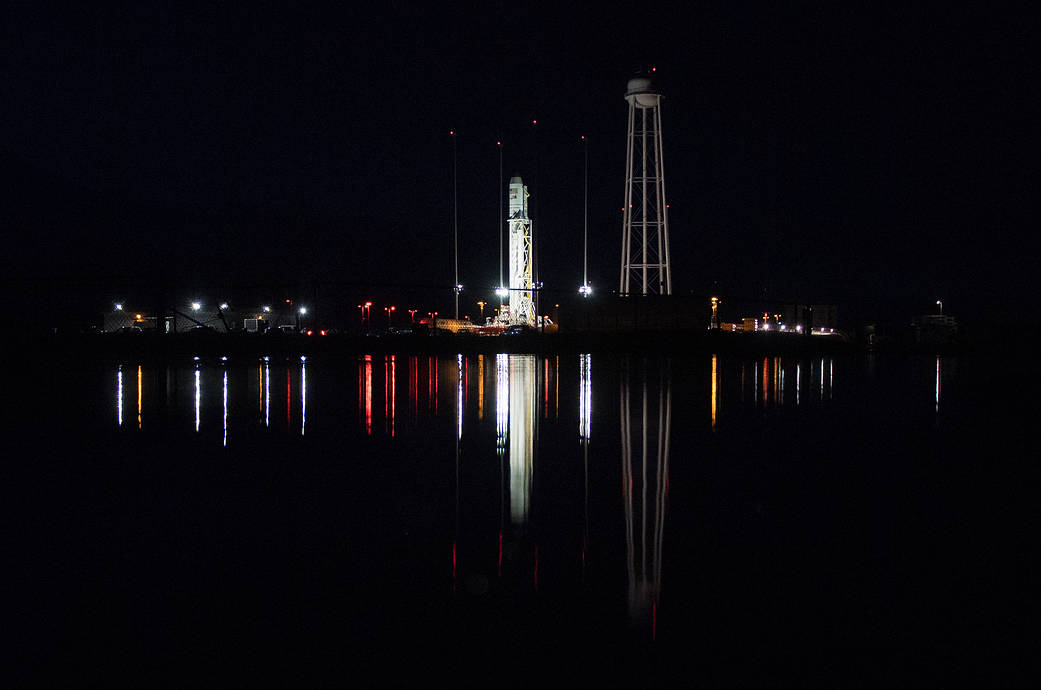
[(516, 179)]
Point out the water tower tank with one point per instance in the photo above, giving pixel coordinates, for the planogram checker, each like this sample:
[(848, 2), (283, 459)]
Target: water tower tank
[(642, 92)]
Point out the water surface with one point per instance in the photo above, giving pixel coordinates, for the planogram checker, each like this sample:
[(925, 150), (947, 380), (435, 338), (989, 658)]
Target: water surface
[(730, 520)]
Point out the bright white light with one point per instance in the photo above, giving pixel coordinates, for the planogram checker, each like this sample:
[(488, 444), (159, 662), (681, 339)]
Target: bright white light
[(501, 291), (766, 326), (585, 396), (223, 305), (119, 307), (585, 290), (459, 288), (225, 387), (196, 306), (783, 327), (303, 310), (799, 329), (267, 309)]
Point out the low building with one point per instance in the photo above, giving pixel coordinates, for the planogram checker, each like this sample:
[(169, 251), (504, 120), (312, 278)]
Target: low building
[(818, 317), (935, 329)]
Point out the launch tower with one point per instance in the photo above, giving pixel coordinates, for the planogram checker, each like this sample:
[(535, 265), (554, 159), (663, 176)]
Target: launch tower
[(645, 222)]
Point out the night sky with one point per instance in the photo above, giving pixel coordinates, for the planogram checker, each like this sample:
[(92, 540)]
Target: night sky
[(874, 158)]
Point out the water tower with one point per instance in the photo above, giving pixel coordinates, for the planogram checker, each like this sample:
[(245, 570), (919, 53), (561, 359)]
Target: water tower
[(645, 222)]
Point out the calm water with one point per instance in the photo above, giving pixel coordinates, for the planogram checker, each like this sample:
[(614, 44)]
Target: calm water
[(722, 520)]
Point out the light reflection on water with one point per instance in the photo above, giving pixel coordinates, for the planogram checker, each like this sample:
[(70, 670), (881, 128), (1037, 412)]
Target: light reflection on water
[(759, 384), (646, 423), (526, 385), (525, 390)]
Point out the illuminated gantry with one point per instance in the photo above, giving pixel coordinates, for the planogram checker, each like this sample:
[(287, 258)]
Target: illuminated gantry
[(522, 307)]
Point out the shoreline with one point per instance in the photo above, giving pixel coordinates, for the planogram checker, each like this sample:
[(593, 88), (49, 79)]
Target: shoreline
[(107, 346)]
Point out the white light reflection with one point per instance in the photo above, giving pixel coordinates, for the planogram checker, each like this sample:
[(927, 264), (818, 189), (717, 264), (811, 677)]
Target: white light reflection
[(198, 395), (822, 379), (459, 397), (119, 395), (798, 379), (502, 399), (303, 394), (937, 384), (755, 385), (831, 379), (522, 433), (225, 387), (585, 396), (267, 392)]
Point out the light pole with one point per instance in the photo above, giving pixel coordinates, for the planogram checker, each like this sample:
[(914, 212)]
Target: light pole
[(390, 310), (939, 303), (300, 312), (412, 315), (455, 224), (585, 289), (481, 305), (501, 286)]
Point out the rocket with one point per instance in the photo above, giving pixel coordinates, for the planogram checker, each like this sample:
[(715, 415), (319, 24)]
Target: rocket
[(522, 308)]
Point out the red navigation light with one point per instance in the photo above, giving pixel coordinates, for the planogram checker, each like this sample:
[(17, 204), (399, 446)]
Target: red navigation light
[(321, 332), (451, 132), (393, 308), (534, 122), (368, 304), (583, 137), (310, 333), (498, 143), (289, 301)]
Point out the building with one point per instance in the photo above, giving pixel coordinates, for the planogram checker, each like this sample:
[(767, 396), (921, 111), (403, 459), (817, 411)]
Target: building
[(816, 316)]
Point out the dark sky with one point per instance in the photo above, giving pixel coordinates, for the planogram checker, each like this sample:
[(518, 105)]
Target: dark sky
[(863, 156)]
